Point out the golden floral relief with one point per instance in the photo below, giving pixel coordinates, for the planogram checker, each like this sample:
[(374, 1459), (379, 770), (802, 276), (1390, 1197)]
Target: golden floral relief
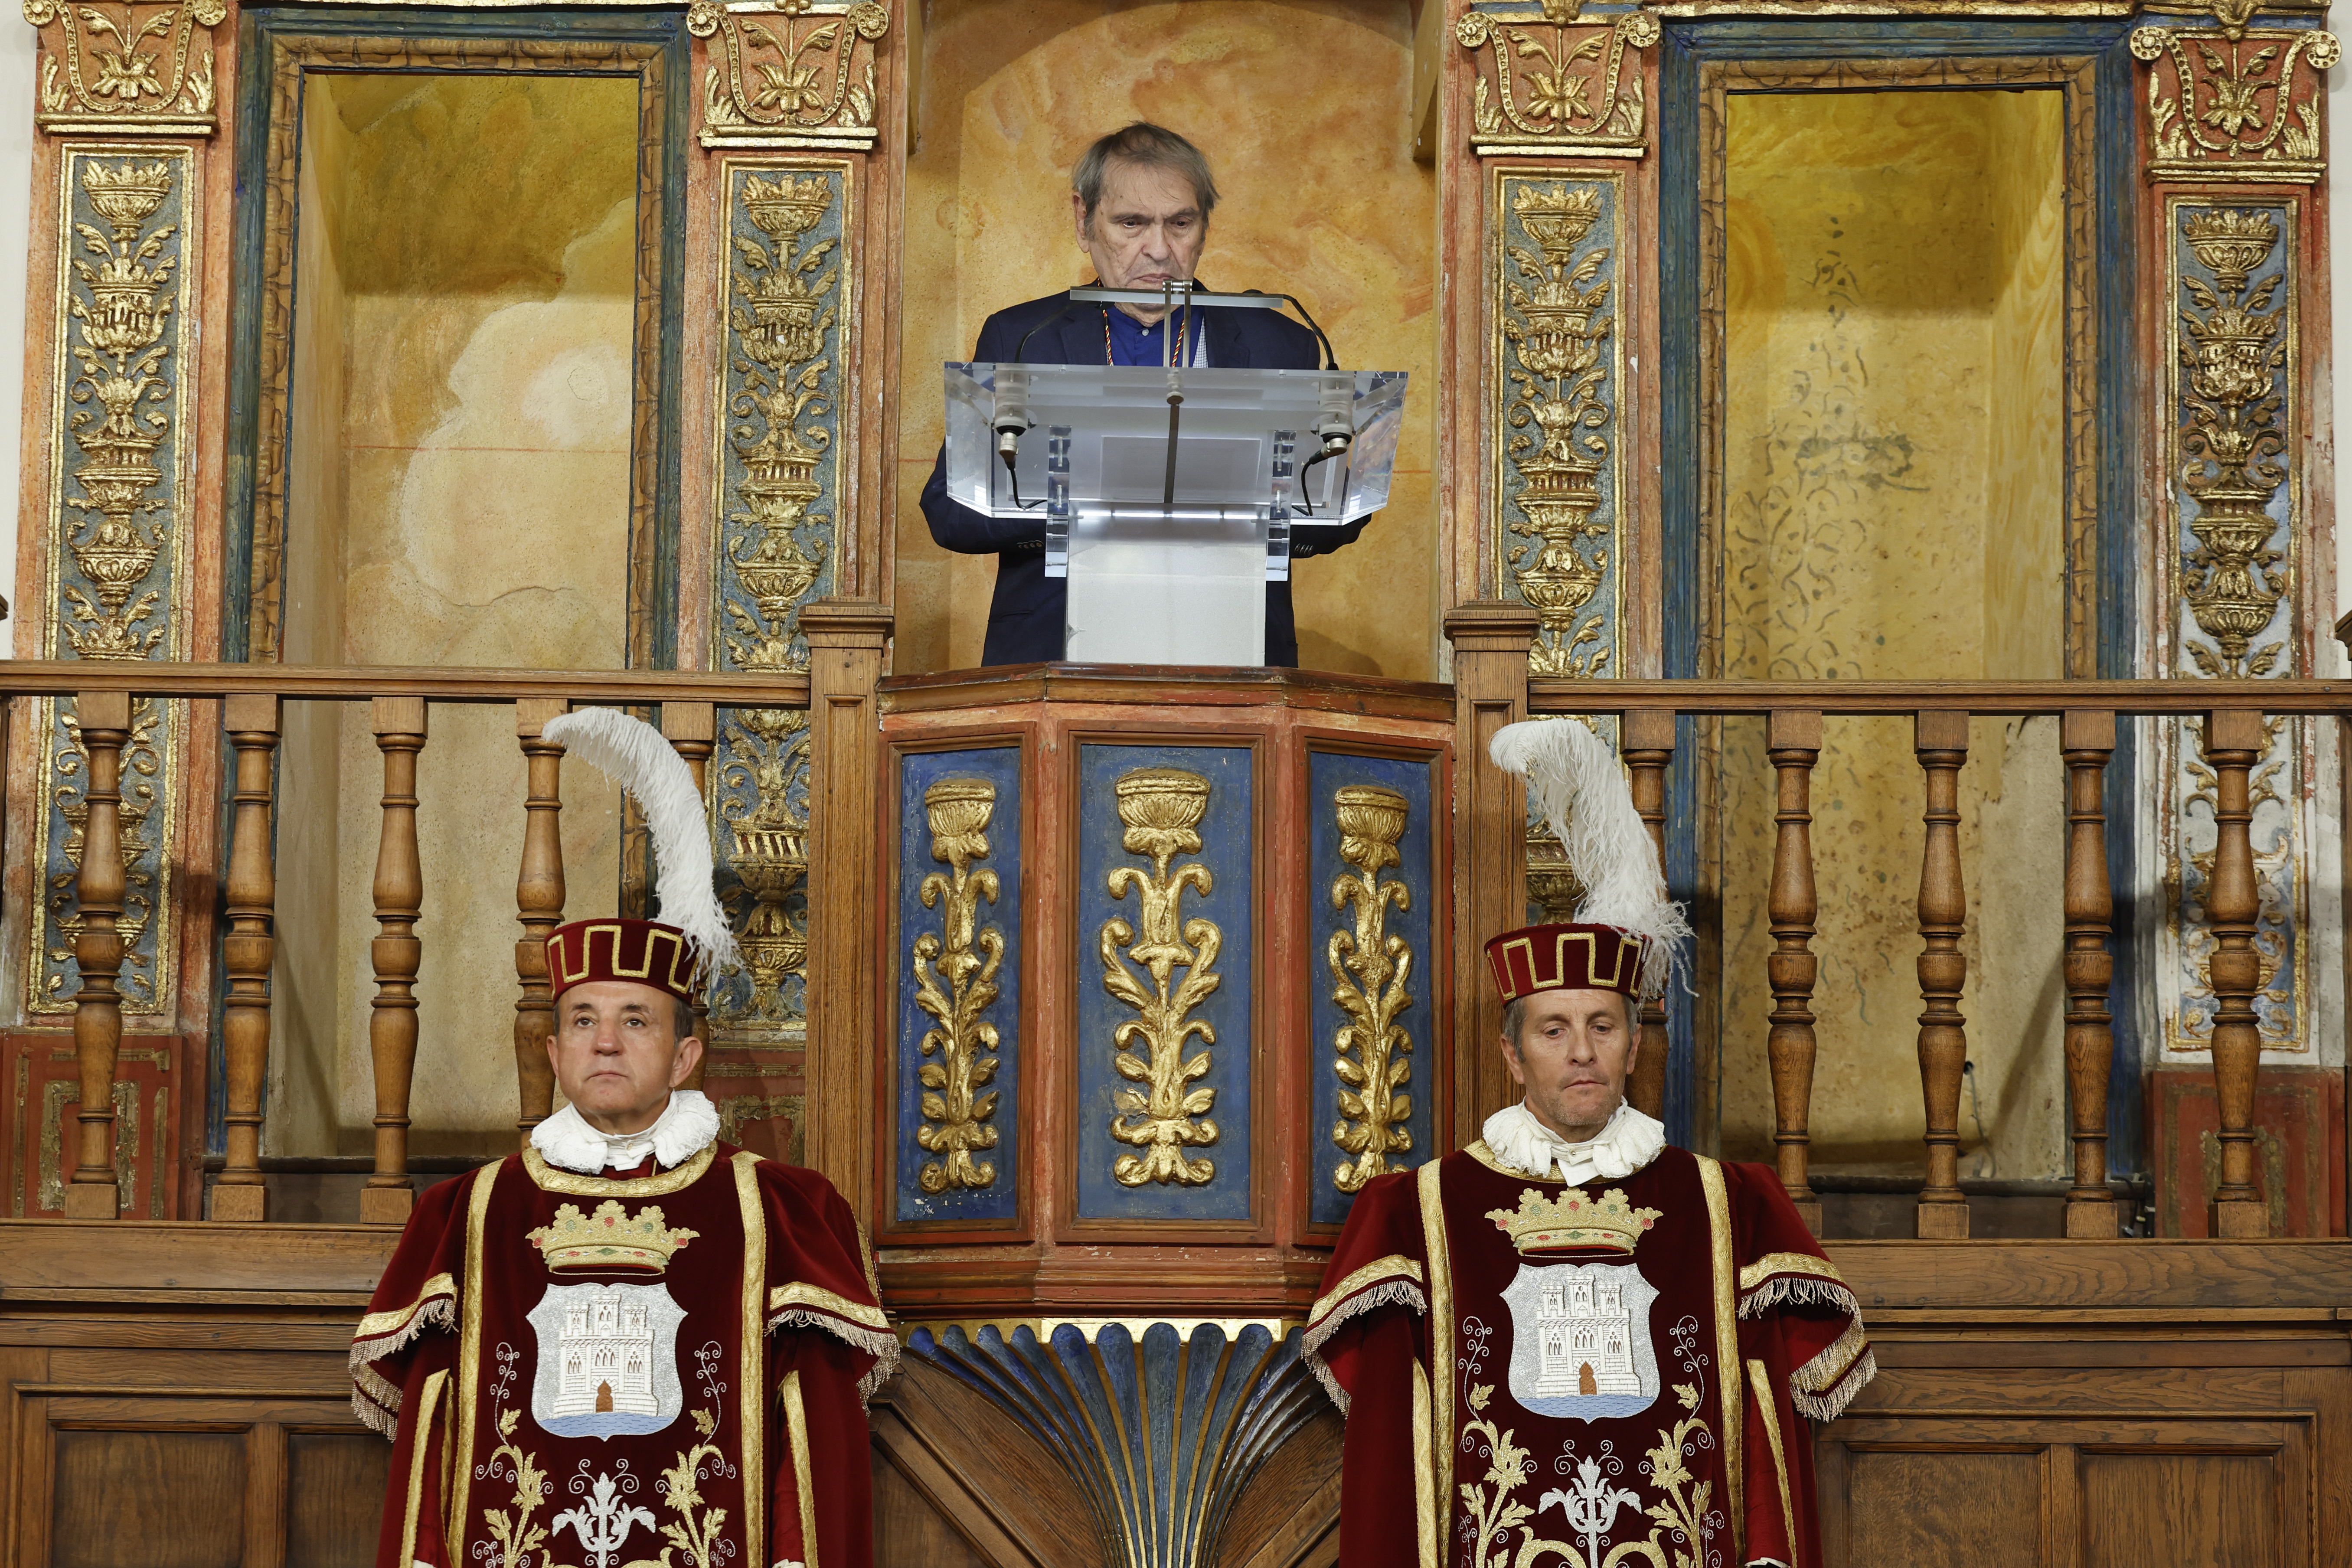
[(764, 797), (127, 65), (1369, 968), (958, 1107), (1558, 84), (1163, 808), (2236, 105), (803, 77)]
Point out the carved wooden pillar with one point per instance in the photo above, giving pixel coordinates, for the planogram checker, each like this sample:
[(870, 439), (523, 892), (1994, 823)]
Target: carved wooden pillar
[(1490, 843), (539, 906), (247, 951), (1942, 744), (692, 729), (1793, 741), (847, 638), (399, 898), (2087, 739), (2233, 744), (1645, 737), (105, 721)]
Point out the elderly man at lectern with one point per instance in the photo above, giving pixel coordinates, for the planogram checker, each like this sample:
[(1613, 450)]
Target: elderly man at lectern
[(1140, 198)]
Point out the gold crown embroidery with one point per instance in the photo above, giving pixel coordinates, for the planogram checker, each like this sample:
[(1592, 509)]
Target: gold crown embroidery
[(608, 1240), (1573, 1221)]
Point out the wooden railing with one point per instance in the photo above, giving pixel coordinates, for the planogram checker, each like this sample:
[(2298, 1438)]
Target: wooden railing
[(400, 701), (1492, 689), (1490, 659)]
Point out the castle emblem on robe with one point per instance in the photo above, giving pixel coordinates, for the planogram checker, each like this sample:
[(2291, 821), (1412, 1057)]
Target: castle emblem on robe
[(1581, 1340), (607, 1359)]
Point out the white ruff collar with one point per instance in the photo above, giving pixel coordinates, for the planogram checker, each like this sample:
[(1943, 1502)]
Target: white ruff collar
[(1628, 1143), (686, 1126)]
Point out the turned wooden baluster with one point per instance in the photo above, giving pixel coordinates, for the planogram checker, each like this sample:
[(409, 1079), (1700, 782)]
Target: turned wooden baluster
[(1646, 737), (247, 951), (539, 905), (2233, 744), (399, 898), (1793, 741), (693, 731), (1942, 744), (2087, 739), (105, 720)]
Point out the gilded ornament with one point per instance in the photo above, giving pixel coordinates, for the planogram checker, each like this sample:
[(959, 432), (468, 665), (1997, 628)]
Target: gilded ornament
[(2236, 105), (958, 1108), (1558, 329), (142, 900), (809, 83), (766, 778), (1162, 808), (1369, 968), (2232, 349), (127, 67), (1572, 90)]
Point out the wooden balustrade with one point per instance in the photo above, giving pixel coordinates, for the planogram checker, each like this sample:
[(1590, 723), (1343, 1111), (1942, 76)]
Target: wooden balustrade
[(104, 717), (2087, 740), (692, 731), (1645, 737), (1490, 644), (252, 721), (1792, 741)]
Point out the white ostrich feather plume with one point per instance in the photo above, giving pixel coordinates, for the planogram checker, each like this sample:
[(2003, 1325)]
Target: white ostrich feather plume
[(637, 756), (1575, 779)]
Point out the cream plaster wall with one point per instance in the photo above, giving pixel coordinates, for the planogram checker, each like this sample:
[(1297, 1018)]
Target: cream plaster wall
[(1302, 109), (460, 496), (1895, 299)]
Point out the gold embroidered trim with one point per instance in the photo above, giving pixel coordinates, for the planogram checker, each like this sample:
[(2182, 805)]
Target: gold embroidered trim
[(421, 1444), (555, 1178), (1773, 1263), (1425, 1480), (1726, 1339), (1478, 1150), (457, 1497), (800, 1293), (750, 1406), (376, 1325), (1820, 1374), (1441, 1346), (796, 1432), (1760, 1381), (1395, 1265)]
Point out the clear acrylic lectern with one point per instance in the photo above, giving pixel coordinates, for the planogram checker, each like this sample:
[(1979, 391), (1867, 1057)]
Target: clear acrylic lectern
[(1167, 495)]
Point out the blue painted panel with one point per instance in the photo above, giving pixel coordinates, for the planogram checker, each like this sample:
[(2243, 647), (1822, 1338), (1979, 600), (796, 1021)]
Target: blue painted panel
[(999, 1198), (1328, 773), (1226, 852)]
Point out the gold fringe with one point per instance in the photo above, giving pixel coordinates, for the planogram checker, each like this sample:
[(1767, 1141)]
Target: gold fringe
[(882, 1347), (1828, 1405), (1799, 1291), (1398, 1292)]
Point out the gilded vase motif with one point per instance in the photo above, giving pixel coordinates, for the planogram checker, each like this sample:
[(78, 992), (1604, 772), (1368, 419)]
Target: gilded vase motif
[(1162, 808), (1370, 967), (763, 789), (1557, 331), (955, 973)]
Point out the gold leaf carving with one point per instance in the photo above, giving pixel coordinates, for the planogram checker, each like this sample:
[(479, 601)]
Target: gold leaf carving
[(1163, 808), (1560, 85), (958, 1107), (1369, 968), (126, 66), (767, 767), (2236, 104), (804, 80)]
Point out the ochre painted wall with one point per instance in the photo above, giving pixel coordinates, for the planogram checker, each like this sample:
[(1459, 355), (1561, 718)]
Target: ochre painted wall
[(1302, 109), (460, 473), (1893, 470)]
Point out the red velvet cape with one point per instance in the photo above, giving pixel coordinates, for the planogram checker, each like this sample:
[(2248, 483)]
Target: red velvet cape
[(1707, 1462), (739, 1436)]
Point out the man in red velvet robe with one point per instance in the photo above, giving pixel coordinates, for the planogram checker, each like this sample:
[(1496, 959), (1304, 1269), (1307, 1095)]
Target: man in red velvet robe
[(1570, 1343), (631, 1343)]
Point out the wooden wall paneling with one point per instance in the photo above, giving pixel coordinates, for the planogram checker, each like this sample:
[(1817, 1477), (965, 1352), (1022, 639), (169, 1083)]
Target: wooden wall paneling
[(1012, 1501), (1288, 1516), (909, 1527)]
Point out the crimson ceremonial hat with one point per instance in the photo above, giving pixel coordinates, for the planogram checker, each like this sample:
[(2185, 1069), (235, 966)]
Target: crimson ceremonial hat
[(646, 952), (1566, 958)]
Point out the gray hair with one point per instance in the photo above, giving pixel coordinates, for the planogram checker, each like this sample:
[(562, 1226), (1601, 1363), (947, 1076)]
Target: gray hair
[(1145, 145)]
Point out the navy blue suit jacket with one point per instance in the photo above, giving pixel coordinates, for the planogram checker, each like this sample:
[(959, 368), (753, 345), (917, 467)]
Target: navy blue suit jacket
[(1026, 618)]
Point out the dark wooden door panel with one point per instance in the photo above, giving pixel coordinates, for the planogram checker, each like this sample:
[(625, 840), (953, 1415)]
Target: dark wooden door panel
[(1911, 1510), (2218, 1511), (334, 1498), (179, 1496)]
